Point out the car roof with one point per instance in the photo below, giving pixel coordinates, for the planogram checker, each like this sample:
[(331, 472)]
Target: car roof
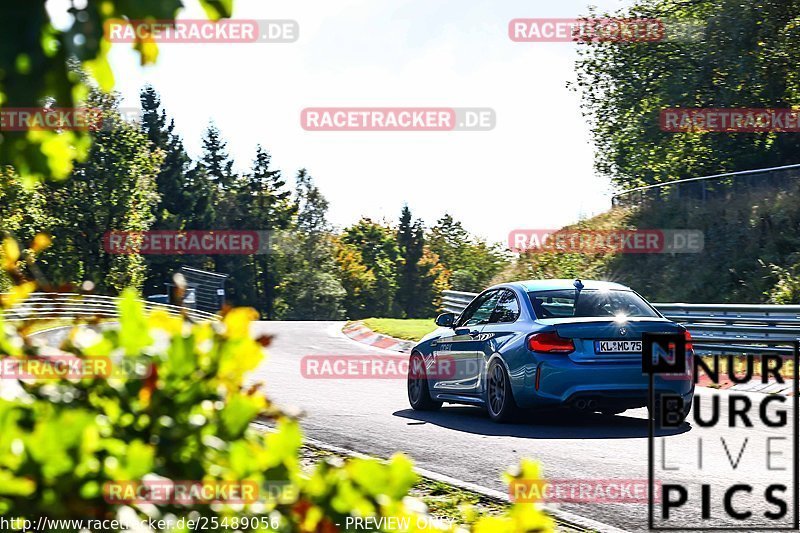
[(555, 284)]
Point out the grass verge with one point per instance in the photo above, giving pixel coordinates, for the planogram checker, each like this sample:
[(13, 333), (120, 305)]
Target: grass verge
[(449, 503), (410, 329)]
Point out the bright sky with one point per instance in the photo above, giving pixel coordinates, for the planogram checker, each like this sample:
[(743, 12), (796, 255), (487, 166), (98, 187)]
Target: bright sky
[(534, 170)]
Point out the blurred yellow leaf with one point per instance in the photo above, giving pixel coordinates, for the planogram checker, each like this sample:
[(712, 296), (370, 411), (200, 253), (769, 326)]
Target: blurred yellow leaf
[(237, 322), (528, 470), (216, 9), (160, 319), (15, 486), (100, 68), (107, 8), (148, 50), (237, 359), (10, 253), (521, 516), (17, 294), (61, 149), (41, 242)]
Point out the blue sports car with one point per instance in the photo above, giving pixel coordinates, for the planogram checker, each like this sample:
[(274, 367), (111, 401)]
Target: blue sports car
[(542, 344)]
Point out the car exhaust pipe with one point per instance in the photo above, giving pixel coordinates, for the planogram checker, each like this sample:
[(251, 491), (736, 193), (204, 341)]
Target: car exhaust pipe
[(580, 404), (592, 405)]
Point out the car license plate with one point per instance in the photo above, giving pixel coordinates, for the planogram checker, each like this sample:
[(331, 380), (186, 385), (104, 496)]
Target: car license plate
[(618, 346)]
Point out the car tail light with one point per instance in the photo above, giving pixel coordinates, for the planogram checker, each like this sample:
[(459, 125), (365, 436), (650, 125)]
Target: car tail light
[(688, 337), (550, 342)]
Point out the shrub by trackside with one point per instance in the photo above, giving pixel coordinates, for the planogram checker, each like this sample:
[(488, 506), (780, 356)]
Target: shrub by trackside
[(185, 414)]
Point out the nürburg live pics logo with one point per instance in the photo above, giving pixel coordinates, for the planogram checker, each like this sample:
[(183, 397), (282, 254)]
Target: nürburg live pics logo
[(724, 460)]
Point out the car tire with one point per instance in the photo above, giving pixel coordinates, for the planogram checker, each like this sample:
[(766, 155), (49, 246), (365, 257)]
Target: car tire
[(499, 398), (419, 395)]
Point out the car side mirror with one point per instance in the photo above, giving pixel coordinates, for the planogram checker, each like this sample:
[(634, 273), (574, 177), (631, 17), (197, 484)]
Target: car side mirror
[(446, 320)]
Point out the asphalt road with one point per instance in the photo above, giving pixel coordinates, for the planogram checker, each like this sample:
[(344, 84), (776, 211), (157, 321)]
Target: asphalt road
[(372, 416)]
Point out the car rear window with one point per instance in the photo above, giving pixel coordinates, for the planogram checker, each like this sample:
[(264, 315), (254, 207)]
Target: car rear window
[(589, 303)]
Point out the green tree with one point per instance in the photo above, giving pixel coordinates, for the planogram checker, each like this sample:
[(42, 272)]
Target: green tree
[(114, 190), (24, 212), (215, 160), (176, 201), (357, 280), (181, 193), (472, 261), (310, 289), (743, 56), (377, 244), (411, 243), (786, 290), (434, 278), (270, 208), (230, 206), (448, 239)]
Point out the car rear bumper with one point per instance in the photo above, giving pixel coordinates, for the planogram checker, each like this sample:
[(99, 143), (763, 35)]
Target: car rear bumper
[(562, 382)]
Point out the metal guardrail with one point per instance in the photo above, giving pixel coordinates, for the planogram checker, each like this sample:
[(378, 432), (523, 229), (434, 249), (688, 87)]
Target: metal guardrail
[(54, 305), (704, 188), (456, 301), (715, 328)]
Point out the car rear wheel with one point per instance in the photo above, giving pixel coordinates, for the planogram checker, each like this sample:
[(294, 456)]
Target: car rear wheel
[(499, 398), (419, 395)]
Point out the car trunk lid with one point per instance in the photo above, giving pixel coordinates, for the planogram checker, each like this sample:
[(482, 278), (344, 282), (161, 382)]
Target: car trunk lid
[(591, 336)]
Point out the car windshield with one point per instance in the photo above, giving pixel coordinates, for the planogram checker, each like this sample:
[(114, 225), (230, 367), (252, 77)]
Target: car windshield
[(589, 303)]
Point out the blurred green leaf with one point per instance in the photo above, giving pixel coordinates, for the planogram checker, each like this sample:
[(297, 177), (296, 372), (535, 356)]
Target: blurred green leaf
[(217, 9)]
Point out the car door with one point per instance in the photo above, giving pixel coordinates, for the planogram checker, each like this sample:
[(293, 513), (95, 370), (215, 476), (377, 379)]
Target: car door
[(463, 350), (500, 329)]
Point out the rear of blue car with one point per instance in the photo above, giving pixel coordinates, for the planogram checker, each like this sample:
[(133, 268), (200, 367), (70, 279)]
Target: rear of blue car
[(587, 351), (547, 343)]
